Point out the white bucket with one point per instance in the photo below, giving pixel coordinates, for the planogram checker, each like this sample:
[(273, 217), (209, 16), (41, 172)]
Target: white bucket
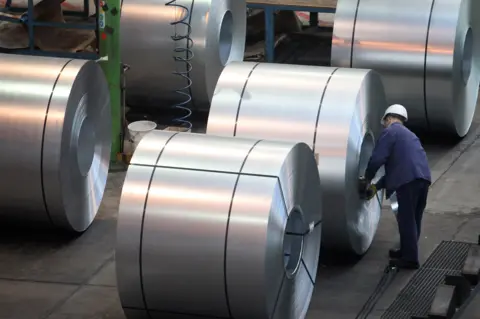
[(138, 130)]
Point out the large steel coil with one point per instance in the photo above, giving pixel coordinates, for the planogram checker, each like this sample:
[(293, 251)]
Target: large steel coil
[(55, 125), (426, 51), (217, 227), (210, 33), (336, 112)]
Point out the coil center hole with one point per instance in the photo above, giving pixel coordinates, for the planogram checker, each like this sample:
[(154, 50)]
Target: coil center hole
[(366, 150), (86, 146), (467, 56), (226, 37), (293, 242)]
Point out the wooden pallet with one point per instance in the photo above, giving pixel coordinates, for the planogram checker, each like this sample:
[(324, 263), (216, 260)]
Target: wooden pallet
[(298, 3)]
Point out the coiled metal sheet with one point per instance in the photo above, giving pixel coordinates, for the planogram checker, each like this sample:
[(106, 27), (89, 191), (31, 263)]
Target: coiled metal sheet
[(428, 53), (336, 112), (55, 125), (218, 30), (204, 228)]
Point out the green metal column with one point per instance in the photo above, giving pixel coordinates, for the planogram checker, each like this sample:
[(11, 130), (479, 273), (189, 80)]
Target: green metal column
[(109, 17)]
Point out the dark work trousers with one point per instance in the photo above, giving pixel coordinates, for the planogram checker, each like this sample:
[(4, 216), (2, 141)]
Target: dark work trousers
[(412, 199)]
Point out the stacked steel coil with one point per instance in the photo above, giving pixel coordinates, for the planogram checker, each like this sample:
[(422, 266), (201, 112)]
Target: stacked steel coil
[(55, 125), (335, 111), (177, 49), (218, 227), (428, 53)]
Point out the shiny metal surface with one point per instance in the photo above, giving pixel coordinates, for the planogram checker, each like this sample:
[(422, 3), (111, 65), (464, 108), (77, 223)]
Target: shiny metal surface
[(394, 203), (204, 226), (335, 111), (218, 31), (55, 127), (428, 53)]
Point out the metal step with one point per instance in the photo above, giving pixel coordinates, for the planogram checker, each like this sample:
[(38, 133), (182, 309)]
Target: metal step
[(471, 308), (416, 298)]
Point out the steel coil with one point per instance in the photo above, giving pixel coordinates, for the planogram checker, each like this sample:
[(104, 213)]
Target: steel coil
[(55, 125), (216, 36), (218, 227), (336, 112), (426, 51)]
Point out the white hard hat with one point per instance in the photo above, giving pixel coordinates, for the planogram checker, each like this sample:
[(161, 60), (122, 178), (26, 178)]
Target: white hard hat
[(396, 109)]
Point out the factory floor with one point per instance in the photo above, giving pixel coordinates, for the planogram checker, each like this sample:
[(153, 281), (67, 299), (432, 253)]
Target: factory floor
[(50, 277)]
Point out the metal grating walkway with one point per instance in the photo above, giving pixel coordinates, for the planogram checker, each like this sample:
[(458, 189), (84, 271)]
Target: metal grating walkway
[(417, 296)]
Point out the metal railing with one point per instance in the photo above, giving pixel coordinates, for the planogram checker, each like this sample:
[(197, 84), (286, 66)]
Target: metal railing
[(27, 19)]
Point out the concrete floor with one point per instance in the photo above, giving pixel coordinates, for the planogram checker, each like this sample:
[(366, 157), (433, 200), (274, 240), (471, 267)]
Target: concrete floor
[(44, 276)]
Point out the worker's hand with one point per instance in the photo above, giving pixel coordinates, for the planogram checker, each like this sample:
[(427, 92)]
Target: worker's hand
[(371, 191), (366, 190), (362, 184)]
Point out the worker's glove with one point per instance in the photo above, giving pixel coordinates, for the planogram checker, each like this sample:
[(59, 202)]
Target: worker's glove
[(370, 192), (362, 185), (366, 190)]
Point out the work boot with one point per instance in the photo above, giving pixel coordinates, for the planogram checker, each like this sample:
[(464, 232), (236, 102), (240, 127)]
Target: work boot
[(404, 264), (394, 253)]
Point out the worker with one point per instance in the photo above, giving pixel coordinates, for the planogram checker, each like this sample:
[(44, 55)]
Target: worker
[(406, 173)]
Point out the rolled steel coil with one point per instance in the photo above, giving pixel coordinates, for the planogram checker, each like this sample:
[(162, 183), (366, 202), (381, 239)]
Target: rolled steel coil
[(426, 51), (55, 125), (216, 32), (335, 111), (217, 227)]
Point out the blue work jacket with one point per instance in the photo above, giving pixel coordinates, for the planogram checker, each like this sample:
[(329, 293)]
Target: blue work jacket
[(404, 158)]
